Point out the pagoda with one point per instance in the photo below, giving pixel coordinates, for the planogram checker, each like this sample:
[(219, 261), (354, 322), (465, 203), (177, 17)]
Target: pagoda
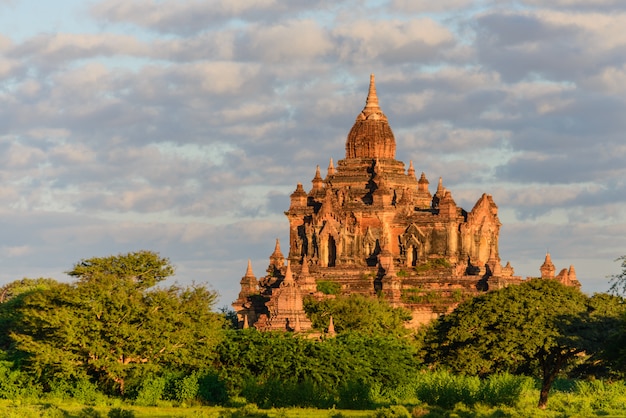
[(372, 227)]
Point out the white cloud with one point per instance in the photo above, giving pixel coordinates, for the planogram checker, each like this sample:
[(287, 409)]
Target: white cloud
[(288, 41), (360, 41), (421, 6), (182, 126)]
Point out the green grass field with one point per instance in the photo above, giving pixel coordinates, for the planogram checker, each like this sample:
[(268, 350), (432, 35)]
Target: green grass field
[(568, 399)]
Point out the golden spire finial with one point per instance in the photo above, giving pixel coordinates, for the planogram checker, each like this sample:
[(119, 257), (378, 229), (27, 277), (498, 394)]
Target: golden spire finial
[(372, 98)]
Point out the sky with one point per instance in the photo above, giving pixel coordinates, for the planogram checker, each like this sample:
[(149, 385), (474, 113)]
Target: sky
[(182, 126)]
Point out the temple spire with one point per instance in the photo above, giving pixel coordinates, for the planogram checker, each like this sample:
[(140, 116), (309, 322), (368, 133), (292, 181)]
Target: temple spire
[(277, 259), (372, 99), (288, 280), (277, 252), (331, 168), (249, 272), (305, 267), (331, 327), (317, 181), (411, 170)]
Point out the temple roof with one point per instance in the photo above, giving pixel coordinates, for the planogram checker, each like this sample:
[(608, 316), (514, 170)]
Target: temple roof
[(371, 135)]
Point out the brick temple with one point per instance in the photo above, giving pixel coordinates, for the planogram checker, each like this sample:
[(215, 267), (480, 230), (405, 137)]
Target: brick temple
[(371, 226)]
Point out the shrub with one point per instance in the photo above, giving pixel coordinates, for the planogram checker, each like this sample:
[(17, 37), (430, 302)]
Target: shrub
[(277, 393), (355, 394), (85, 392), (445, 389), (120, 413), (52, 411), (151, 391), (186, 388), (394, 411), (89, 412), (603, 394), (503, 389), (212, 389), (247, 411), (15, 384)]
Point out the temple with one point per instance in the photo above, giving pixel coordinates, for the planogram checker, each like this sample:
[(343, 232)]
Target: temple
[(372, 227)]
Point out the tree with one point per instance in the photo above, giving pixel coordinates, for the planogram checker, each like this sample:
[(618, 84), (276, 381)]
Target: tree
[(112, 323), (618, 281), (536, 326), (11, 299), (358, 313), (602, 330), (281, 360)]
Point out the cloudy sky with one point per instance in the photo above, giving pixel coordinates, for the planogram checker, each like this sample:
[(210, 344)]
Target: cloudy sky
[(182, 126)]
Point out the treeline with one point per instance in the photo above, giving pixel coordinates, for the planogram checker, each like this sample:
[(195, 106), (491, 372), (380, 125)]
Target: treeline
[(116, 331)]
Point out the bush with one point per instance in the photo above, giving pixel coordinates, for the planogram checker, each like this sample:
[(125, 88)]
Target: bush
[(277, 393), (15, 384), (445, 389), (186, 388), (394, 411), (355, 394), (603, 394), (52, 411), (89, 412), (120, 413), (212, 389), (151, 391), (503, 389), (85, 392), (247, 411)]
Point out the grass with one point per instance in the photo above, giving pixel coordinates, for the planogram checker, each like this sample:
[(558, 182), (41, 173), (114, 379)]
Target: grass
[(11, 409), (430, 395)]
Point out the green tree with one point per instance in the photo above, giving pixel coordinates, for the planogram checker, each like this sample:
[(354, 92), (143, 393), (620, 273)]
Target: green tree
[(113, 323), (11, 299), (277, 360), (535, 327), (357, 313), (618, 281), (603, 331)]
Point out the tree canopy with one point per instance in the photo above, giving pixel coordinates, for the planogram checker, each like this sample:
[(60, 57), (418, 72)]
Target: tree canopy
[(536, 328), (358, 313), (113, 323)]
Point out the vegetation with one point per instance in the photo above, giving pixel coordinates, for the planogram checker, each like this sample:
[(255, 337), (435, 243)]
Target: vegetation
[(328, 287), (358, 313), (535, 328), (433, 264), (112, 326), (618, 281), (118, 343)]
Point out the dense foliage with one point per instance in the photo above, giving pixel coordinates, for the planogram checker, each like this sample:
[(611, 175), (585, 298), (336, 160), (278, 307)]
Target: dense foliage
[(117, 330), (358, 313), (537, 328), (113, 324)]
